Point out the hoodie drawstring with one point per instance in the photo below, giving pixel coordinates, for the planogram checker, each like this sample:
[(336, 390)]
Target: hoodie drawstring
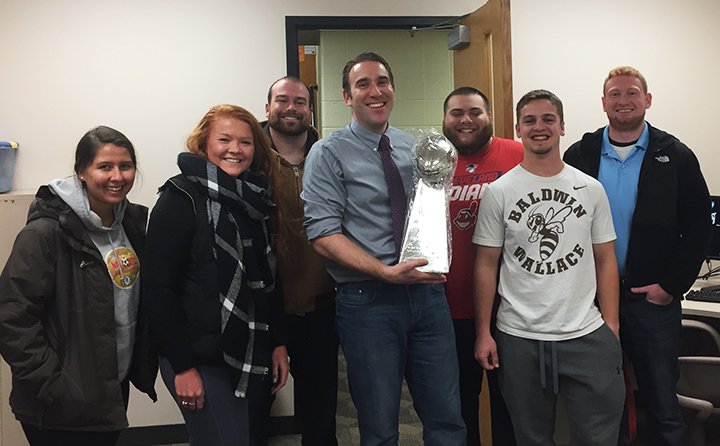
[(553, 365)]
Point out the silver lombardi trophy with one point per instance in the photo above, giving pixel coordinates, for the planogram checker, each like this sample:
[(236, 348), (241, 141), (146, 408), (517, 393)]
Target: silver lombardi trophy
[(427, 233)]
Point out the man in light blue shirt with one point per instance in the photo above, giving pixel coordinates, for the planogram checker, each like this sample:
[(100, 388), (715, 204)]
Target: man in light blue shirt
[(660, 205), (393, 320), (620, 164)]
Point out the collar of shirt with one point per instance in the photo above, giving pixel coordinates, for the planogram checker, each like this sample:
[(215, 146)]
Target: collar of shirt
[(367, 136), (641, 144)]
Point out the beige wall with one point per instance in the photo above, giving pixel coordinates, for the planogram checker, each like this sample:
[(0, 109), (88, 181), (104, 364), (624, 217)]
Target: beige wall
[(422, 67), (13, 209), (149, 68)]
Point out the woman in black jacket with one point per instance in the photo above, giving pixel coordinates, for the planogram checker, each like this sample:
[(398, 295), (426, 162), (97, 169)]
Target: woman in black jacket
[(71, 326), (216, 314)]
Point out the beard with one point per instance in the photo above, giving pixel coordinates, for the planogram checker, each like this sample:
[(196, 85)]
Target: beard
[(628, 124), (290, 129), (479, 140)]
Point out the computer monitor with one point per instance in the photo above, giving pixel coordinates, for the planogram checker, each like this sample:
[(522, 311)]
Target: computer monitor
[(713, 252)]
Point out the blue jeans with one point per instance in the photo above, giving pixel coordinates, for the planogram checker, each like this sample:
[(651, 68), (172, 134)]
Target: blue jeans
[(388, 332), (650, 335)]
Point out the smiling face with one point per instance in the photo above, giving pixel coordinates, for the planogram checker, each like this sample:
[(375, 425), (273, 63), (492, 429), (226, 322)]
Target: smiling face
[(108, 178), (540, 127), (625, 101), (230, 145), (288, 112), (371, 95), (467, 123)]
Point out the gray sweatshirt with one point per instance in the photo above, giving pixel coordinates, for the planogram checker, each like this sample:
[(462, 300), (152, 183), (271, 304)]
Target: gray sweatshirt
[(121, 261)]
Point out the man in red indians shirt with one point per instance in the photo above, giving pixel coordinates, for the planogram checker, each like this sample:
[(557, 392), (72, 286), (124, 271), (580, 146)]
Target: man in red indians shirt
[(482, 159)]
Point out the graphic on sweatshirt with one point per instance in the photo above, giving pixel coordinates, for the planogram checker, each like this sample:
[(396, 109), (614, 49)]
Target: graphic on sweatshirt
[(123, 266), (549, 215), (547, 228)]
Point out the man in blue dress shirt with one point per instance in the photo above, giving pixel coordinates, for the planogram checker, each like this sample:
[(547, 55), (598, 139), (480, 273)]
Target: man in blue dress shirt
[(393, 320)]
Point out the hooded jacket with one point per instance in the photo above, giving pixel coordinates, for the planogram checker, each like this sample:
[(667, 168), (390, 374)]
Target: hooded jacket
[(122, 260), (58, 326), (671, 226)]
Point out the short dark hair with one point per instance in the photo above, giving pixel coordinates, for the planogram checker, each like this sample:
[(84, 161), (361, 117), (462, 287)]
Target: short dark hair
[(293, 79), (363, 57), (537, 95), (466, 91), (93, 140)]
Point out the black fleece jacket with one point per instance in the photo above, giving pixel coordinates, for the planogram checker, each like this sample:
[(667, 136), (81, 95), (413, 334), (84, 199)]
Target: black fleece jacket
[(671, 225)]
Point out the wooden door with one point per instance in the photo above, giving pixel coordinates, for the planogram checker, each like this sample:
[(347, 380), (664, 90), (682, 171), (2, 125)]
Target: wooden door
[(307, 58), (487, 62)]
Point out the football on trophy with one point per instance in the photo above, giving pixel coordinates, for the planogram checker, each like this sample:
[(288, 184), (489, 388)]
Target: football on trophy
[(435, 159)]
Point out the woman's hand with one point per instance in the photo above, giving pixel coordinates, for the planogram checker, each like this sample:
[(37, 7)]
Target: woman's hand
[(189, 390), (280, 367)]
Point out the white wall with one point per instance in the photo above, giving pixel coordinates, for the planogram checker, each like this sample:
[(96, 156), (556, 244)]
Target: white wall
[(569, 47), (150, 68)]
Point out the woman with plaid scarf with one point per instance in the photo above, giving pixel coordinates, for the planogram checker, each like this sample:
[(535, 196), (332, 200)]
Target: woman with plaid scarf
[(215, 310)]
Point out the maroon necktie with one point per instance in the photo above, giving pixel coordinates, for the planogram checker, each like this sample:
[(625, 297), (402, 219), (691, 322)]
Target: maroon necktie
[(396, 191)]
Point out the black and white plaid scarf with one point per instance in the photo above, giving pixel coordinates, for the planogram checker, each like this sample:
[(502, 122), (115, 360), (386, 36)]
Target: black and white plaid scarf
[(237, 211)]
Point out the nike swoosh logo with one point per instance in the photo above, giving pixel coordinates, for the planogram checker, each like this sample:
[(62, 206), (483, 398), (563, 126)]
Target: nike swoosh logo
[(579, 187)]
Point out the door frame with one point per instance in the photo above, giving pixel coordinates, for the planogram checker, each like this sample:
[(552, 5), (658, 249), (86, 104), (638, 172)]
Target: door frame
[(295, 24)]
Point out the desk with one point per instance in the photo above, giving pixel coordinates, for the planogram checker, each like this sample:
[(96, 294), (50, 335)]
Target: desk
[(698, 308)]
